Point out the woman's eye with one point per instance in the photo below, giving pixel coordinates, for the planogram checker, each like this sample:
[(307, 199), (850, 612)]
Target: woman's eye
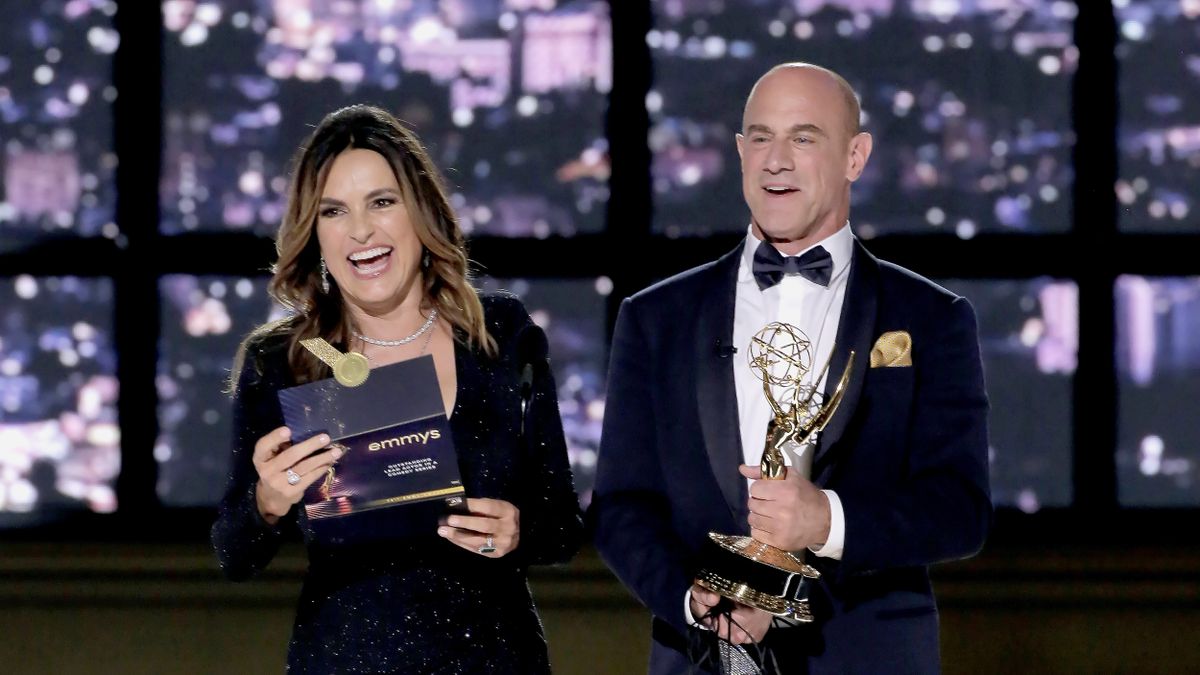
[(329, 212), (384, 202)]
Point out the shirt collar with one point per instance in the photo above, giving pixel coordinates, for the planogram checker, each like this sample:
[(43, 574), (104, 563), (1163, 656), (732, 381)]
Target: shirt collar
[(840, 246)]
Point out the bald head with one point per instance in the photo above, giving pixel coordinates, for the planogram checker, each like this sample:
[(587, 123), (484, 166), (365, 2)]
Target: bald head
[(800, 150), (817, 81)]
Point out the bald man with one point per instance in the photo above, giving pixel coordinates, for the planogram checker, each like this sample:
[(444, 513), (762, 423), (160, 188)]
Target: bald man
[(897, 481)]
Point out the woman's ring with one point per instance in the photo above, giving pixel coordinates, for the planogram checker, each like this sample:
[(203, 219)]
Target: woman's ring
[(488, 547), (292, 477)]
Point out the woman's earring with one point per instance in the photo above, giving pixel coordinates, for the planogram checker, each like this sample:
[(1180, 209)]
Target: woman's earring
[(426, 261), (324, 276)]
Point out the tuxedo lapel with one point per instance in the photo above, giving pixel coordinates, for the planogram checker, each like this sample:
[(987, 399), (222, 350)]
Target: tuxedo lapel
[(855, 329), (716, 394)]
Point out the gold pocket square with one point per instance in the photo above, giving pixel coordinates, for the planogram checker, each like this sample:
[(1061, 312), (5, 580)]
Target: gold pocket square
[(893, 349)]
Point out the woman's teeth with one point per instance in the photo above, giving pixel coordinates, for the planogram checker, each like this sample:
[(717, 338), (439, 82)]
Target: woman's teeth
[(369, 259)]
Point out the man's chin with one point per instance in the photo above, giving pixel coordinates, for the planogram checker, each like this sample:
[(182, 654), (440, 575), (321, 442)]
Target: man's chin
[(777, 232)]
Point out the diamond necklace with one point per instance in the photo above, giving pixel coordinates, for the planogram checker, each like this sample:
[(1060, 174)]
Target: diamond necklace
[(402, 341)]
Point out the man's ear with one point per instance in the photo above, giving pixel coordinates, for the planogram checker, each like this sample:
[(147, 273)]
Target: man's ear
[(860, 152)]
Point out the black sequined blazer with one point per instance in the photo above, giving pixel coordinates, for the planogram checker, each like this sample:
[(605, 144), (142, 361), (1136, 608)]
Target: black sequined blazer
[(420, 605)]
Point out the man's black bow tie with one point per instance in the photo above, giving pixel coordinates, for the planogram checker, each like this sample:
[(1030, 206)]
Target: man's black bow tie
[(816, 265)]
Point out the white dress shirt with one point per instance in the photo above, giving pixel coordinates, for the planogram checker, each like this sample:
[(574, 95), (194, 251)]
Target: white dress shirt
[(816, 311)]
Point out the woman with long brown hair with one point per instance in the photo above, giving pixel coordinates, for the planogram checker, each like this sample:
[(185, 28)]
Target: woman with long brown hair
[(371, 258)]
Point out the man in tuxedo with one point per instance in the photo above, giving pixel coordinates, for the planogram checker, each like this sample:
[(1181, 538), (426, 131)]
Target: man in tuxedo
[(897, 480)]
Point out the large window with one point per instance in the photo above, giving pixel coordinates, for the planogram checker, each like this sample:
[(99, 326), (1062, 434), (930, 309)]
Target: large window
[(1158, 359), (588, 148), (59, 439), (1029, 337), (968, 103), (508, 96), (1160, 118), (204, 319), (56, 120)]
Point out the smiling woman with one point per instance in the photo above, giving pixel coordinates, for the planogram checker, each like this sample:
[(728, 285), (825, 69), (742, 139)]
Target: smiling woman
[(372, 260), (368, 244), (361, 200), (371, 252), (366, 186)]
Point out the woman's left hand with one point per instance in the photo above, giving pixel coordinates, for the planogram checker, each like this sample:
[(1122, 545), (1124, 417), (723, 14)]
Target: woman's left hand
[(493, 529)]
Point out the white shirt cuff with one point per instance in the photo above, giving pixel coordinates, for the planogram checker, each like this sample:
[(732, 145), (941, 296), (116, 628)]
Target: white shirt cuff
[(687, 611), (832, 548)]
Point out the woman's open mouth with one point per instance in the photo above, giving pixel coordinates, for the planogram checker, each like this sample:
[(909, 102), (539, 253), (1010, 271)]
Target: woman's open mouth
[(370, 262)]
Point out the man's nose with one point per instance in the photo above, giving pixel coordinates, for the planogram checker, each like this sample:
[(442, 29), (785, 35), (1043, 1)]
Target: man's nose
[(779, 157)]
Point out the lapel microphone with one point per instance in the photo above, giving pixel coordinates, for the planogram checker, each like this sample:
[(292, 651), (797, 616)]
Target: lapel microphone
[(723, 350)]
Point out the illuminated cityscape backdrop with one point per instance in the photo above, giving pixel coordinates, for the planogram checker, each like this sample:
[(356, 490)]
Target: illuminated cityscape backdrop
[(971, 103)]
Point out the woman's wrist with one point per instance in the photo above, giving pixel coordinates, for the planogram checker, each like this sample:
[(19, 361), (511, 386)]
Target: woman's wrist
[(264, 511)]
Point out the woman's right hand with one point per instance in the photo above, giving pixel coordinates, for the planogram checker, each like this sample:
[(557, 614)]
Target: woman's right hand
[(275, 457)]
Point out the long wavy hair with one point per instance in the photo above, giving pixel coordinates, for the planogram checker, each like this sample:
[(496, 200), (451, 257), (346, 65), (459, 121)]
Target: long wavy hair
[(296, 283)]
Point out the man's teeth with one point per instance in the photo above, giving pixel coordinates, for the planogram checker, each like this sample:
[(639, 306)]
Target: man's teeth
[(778, 190)]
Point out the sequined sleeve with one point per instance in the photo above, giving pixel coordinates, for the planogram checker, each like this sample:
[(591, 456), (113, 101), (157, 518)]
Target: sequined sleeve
[(551, 521), (244, 542)]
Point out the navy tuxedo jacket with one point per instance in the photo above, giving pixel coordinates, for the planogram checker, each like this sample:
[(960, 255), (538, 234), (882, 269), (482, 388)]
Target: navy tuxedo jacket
[(906, 452)]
